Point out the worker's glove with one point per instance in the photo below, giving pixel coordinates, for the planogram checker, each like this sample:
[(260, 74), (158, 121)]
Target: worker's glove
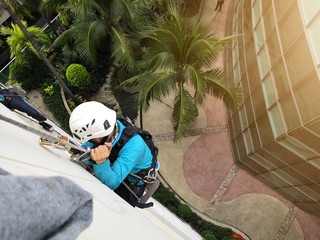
[(2, 98)]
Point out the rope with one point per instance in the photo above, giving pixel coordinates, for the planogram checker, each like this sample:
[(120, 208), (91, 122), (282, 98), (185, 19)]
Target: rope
[(43, 134)]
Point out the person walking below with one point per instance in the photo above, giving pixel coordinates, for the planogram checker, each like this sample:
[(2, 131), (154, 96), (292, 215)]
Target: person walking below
[(219, 5)]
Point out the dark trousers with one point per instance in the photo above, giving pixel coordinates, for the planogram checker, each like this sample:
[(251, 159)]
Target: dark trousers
[(123, 192), (15, 101)]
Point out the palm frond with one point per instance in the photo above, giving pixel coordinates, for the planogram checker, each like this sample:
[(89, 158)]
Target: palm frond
[(49, 6), (63, 38), (184, 113), (161, 62), (89, 10), (152, 85), (121, 8), (229, 91), (121, 51), (169, 38), (39, 35), (195, 77)]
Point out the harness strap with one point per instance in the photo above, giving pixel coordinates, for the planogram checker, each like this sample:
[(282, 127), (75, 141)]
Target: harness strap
[(148, 175), (127, 133)]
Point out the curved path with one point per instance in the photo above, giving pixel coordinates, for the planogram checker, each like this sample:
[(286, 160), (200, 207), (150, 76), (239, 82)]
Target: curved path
[(202, 172)]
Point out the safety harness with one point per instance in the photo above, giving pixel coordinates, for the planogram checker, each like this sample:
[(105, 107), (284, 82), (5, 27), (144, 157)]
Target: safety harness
[(148, 175)]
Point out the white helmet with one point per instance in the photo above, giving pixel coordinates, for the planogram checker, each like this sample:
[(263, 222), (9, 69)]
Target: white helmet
[(91, 120)]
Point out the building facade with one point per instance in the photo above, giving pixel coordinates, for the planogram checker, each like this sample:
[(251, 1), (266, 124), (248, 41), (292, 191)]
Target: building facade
[(275, 133)]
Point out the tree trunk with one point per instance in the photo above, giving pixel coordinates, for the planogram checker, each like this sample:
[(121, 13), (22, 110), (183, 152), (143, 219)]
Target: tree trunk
[(49, 24), (17, 21)]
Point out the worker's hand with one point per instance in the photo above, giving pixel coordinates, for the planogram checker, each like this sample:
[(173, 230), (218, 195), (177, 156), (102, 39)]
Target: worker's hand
[(100, 154)]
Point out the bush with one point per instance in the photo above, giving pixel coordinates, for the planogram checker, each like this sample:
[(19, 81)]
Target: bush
[(49, 90), (166, 197), (78, 76), (56, 106), (208, 235), (23, 69), (208, 231), (185, 212)]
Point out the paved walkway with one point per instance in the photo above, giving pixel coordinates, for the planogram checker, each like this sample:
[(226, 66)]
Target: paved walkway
[(202, 172)]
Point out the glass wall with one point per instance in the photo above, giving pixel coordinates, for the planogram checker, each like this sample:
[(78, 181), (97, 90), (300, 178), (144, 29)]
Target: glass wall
[(275, 134)]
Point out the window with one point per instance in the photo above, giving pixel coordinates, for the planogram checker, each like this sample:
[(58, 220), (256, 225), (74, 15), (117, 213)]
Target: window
[(283, 154), (289, 110), (268, 91), (263, 63), (310, 10), (243, 119), (258, 36), (276, 121), (256, 11), (297, 148), (308, 138), (247, 141), (255, 137), (264, 130)]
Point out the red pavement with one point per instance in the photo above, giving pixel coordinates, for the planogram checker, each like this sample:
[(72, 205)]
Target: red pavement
[(209, 158)]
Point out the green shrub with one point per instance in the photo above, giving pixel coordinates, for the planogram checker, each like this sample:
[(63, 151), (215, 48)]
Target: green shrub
[(56, 106), (78, 76), (185, 212), (28, 71), (208, 230), (49, 90), (166, 197), (208, 235)]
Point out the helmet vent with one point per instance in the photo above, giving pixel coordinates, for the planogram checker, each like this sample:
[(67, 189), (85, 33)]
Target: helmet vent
[(93, 121), (76, 136), (106, 125)]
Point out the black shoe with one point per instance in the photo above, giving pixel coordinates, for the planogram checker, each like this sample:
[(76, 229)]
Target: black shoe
[(46, 126)]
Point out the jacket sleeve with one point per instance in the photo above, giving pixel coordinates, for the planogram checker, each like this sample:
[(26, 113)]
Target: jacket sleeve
[(131, 153)]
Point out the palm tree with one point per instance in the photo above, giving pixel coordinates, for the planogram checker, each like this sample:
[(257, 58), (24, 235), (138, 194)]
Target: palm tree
[(95, 22), (179, 55), (17, 40), (13, 6)]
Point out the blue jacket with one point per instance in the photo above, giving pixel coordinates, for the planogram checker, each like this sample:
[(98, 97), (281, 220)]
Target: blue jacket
[(134, 156)]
